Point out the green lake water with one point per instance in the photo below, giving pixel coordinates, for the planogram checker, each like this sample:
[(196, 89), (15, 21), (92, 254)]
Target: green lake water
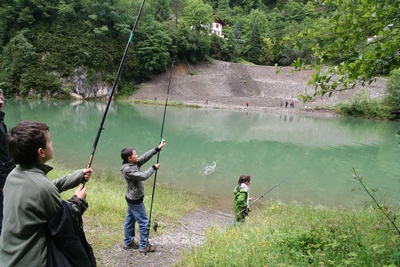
[(207, 150)]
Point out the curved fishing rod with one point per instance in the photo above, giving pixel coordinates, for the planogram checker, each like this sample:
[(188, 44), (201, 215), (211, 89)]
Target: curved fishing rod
[(267, 192), (158, 157), (113, 89)]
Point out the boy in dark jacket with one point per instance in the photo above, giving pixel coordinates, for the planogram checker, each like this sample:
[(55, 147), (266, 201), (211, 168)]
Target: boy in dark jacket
[(30, 198), (136, 211)]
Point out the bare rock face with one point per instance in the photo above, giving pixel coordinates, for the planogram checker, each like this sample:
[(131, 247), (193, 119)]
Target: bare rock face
[(82, 88)]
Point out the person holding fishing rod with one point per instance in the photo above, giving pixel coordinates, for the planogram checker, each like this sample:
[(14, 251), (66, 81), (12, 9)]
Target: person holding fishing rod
[(136, 211), (241, 198), (37, 221)]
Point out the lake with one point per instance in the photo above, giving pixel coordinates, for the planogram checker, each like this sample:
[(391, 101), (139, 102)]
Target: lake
[(208, 149)]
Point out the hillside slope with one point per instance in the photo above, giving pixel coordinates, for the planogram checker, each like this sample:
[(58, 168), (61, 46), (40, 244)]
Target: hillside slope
[(232, 85)]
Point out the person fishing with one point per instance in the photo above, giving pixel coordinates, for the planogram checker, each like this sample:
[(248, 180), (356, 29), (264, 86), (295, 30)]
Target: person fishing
[(136, 211), (32, 202), (241, 198)]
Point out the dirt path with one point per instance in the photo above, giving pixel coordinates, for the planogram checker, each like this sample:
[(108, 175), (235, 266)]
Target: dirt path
[(188, 232)]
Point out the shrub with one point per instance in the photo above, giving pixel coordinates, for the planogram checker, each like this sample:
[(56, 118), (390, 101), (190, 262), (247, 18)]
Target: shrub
[(392, 96), (361, 105)]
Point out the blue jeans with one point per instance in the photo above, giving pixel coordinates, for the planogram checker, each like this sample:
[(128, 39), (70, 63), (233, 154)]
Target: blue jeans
[(136, 213)]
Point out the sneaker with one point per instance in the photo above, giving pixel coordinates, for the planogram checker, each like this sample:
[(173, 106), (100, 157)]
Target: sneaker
[(150, 248), (132, 245)]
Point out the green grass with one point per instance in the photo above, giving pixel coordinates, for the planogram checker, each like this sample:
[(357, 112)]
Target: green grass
[(296, 235), (274, 234), (103, 221), (162, 103)]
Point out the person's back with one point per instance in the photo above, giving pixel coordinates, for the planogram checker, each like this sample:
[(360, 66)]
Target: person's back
[(6, 162)]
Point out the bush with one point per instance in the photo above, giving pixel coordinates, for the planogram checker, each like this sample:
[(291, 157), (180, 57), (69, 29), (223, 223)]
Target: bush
[(361, 105), (392, 96)]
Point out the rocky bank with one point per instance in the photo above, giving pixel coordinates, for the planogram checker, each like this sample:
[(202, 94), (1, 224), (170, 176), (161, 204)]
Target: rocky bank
[(233, 85)]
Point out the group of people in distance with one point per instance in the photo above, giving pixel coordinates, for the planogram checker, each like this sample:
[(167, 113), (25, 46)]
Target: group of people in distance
[(35, 221), (287, 103)]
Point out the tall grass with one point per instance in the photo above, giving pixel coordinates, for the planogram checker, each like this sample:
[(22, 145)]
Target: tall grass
[(297, 235)]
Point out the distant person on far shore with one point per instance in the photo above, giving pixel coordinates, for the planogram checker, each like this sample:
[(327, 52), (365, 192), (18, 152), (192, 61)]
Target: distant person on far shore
[(286, 103), (281, 104)]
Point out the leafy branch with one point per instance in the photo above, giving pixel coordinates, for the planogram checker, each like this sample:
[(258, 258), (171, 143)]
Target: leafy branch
[(391, 219)]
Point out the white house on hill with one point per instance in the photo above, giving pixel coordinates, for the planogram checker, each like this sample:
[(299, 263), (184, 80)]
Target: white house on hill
[(217, 27)]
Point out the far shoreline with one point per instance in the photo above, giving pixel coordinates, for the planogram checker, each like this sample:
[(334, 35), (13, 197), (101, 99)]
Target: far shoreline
[(215, 105)]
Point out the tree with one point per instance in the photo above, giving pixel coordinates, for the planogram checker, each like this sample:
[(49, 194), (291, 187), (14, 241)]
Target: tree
[(255, 43), (361, 40), (21, 71), (198, 16), (393, 90), (237, 37), (177, 9), (153, 49), (161, 9)]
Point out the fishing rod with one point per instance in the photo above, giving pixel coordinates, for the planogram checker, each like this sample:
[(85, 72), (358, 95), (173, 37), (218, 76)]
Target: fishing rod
[(243, 210), (113, 89), (158, 157)]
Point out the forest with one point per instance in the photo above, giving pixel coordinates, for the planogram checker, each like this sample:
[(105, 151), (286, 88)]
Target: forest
[(44, 41)]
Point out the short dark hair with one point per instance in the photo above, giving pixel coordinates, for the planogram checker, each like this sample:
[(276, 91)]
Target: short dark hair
[(25, 139), (126, 153)]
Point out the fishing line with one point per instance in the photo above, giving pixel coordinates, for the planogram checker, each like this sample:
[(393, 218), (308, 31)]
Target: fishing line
[(158, 157), (267, 192), (113, 89)]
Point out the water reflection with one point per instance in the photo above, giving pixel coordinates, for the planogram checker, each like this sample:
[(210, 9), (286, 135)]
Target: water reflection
[(296, 129)]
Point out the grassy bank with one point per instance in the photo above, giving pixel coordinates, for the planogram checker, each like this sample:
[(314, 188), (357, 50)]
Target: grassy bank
[(296, 235), (275, 234), (156, 102), (103, 221)]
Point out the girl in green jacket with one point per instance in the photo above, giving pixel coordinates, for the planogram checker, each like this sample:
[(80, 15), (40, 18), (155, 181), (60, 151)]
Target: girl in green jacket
[(241, 198)]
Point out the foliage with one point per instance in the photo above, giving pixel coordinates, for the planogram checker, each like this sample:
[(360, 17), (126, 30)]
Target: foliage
[(223, 49), (391, 217), (296, 235), (361, 105), (153, 49), (91, 34), (393, 90), (254, 45), (197, 16), (371, 48)]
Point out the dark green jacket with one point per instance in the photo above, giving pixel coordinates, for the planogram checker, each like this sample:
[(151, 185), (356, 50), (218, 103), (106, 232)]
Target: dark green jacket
[(240, 199), (30, 199)]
